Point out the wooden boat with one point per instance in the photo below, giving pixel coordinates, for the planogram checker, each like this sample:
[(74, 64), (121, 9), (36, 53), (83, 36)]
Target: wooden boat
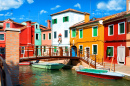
[(24, 63), (100, 73), (48, 65)]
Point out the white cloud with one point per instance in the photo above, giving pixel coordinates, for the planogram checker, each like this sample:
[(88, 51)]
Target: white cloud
[(8, 14), (77, 5), (112, 5), (30, 1), (8, 4), (22, 17), (1, 14), (57, 6), (43, 11), (13, 18)]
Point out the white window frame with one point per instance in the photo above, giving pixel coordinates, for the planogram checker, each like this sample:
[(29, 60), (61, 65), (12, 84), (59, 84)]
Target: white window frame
[(109, 30), (119, 28), (24, 50), (4, 37), (71, 33), (92, 49), (82, 48), (38, 36), (92, 31), (113, 51), (6, 25), (48, 36), (67, 33), (79, 33), (54, 34)]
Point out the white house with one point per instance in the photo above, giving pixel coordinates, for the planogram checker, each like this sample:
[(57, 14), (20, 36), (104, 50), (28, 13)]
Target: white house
[(61, 21)]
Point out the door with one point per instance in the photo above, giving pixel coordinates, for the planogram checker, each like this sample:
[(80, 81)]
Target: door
[(121, 54), (74, 51), (87, 52)]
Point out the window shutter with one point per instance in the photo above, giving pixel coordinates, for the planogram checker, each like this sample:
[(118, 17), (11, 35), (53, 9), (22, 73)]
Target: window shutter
[(52, 21), (49, 35), (44, 48), (111, 30), (63, 19), (81, 33), (67, 18), (127, 51), (122, 28), (56, 21), (55, 49), (95, 31), (111, 51), (95, 49), (73, 32)]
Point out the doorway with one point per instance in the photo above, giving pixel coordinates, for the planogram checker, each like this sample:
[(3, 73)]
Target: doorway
[(87, 52), (74, 51), (121, 54)]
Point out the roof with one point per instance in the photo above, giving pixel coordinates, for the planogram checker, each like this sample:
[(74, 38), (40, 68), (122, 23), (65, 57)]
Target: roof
[(45, 29), (33, 22), (118, 15), (1, 21), (24, 27), (14, 22), (70, 10)]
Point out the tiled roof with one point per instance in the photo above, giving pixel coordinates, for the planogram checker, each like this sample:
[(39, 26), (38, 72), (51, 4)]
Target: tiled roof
[(24, 27), (33, 22), (69, 10), (1, 21), (45, 28), (14, 22)]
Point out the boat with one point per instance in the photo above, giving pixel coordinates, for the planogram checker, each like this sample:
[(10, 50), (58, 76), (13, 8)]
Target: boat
[(104, 74), (24, 63), (45, 65)]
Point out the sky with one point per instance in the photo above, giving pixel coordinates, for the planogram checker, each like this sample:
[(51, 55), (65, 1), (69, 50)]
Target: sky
[(40, 10)]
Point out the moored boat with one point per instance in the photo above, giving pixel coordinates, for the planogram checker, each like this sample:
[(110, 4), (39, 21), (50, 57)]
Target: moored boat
[(48, 65), (100, 73)]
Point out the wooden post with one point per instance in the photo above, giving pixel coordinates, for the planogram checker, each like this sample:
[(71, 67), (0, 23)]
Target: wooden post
[(70, 52), (50, 51), (36, 52), (95, 61), (61, 51), (41, 50)]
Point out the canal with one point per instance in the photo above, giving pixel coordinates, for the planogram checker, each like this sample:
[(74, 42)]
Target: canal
[(30, 76)]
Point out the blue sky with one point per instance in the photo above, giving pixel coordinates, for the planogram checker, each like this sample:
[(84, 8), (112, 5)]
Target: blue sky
[(40, 10)]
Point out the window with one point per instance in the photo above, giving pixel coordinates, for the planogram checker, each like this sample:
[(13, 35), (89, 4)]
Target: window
[(81, 48), (121, 28), (66, 33), (73, 32), (55, 49), (81, 33), (37, 36), (65, 19), (36, 26), (66, 49), (1, 36), (110, 30), (94, 48), (54, 21), (94, 31), (44, 48), (2, 50), (54, 34), (22, 50), (44, 36), (110, 51), (49, 36), (7, 25)]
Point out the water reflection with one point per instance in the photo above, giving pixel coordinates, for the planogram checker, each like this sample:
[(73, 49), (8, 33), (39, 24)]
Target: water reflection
[(30, 76)]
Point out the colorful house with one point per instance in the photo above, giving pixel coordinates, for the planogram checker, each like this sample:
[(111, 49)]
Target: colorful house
[(88, 36), (115, 30), (61, 21), (46, 37)]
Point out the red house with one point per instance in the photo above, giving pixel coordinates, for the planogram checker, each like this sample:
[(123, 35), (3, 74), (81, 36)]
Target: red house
[(115, 39), (26, 36)]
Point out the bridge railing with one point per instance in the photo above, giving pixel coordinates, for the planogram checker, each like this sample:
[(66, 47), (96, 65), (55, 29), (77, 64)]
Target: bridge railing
[(4, 73)]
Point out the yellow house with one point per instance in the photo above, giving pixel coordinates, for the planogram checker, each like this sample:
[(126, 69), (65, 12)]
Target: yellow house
[(88, 36)]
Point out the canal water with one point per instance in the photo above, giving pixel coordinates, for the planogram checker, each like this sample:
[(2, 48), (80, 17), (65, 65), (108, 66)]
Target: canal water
[(30, 76)]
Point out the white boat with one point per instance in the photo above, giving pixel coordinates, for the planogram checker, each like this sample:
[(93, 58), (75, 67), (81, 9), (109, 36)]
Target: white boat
[(46, 65)]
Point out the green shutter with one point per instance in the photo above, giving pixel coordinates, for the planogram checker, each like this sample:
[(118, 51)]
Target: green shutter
[(43, 36), (81, 33), (94, 31), (94, 49), (55, 49), (67, 18), (111, 30), (122, 28), (66, 49), (63, 19), (73, 33), (109, 51), (49, 35), (56, 21), (111, 54)]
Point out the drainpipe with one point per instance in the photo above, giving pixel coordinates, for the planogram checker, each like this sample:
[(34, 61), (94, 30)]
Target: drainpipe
[(28, 32)]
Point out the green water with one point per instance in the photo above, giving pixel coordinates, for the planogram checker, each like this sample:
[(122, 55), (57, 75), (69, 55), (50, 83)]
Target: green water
[(30, 76)]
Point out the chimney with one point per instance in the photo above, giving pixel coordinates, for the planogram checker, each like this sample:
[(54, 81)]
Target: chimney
[(48, 24), (86, 17), (28, 32), (127, 6)]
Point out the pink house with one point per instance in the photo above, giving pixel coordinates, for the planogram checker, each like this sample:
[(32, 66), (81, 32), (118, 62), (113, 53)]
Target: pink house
[(46, 36)]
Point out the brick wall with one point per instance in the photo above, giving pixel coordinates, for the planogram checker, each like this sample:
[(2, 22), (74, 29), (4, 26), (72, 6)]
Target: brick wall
[(12, 54)]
